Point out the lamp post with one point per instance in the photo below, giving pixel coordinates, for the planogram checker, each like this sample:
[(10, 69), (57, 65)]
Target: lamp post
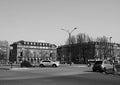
[(110, 47), (69, 33)]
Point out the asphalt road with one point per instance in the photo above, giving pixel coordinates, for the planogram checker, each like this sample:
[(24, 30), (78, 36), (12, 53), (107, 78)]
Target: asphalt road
[(57, 76)]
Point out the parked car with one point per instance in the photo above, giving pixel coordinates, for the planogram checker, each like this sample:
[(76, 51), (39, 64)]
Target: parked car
[(117, 68), (103, 66), (35, 64), (44, 63), (25, 64)]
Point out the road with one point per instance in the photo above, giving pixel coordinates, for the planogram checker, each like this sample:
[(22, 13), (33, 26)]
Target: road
[(64, 75)]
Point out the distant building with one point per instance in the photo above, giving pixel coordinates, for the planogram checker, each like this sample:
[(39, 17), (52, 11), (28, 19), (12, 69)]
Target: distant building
[(116, 52), (33, 52), (4, 52), (82, 52)]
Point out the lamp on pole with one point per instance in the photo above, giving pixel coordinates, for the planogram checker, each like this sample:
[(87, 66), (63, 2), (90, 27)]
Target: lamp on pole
[(69, 33), (110, 47)]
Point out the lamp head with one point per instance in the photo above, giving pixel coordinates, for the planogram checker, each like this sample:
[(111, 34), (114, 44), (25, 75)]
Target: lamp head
[(75, 28)]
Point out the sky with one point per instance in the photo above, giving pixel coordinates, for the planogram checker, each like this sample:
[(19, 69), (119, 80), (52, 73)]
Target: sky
[(42, 20)]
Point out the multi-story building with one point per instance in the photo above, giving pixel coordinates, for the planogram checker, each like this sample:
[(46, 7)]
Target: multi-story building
[(32, 51), (116, 52), (82, 52)]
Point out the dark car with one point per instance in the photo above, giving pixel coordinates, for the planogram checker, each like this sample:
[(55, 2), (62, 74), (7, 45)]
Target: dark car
[(103, 66), (25, 64), (97, 66), (117, 68)]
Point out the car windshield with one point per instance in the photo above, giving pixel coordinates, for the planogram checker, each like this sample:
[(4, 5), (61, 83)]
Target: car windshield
[(98, 62), (45, 61)]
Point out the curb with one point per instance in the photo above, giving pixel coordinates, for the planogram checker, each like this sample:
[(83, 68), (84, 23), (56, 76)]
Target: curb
[(20, 68), (80, 66), (4, 68)]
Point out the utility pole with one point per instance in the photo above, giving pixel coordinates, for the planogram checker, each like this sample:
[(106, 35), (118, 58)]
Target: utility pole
[(69, 33), (110, 47)]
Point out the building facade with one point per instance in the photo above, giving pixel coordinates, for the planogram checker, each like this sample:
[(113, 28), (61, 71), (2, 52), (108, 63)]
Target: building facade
[(33, 52), (82, 52)]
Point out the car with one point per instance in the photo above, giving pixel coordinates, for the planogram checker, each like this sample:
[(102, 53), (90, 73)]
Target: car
[(35, 64), (45, 63), (117, 68), (103, 66)]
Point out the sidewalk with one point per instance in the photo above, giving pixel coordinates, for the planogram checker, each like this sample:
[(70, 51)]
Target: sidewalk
[(15, 68), (4, 68), (73, 65), (8, 67)]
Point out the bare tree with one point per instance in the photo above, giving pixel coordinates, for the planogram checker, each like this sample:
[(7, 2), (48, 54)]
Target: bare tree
[(71, 40), (4, 54), (27, 53), (82, 37), (103, 48), (102, 39)]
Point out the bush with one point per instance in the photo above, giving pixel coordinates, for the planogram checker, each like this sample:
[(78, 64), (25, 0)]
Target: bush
[(25, 64)]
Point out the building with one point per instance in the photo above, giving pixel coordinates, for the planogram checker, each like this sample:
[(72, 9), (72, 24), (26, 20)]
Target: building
[(116, 52), (33, 52), (82, 52)]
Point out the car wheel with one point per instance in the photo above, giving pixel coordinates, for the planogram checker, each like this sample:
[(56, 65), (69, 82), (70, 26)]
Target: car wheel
[(114, 71), (41, 65), (94, 70), (105, 70), (54, 65)]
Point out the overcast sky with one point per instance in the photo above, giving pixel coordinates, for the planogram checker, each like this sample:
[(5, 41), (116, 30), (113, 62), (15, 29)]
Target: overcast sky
[(35, 20)]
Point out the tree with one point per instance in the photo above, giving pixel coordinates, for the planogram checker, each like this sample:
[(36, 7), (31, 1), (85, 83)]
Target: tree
[(27, 53), (103, 48), (2, 57), (82, 37), (71, 40), (102, 39), (4, 54)]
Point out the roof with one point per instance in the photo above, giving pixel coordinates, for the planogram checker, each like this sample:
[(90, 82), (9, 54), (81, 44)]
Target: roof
[(29, 43)]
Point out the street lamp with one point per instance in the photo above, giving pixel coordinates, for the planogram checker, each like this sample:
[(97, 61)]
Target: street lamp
[(69, 33), (110, 47)]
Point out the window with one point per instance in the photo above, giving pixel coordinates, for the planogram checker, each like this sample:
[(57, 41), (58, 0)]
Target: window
[(98, 62), (46, 45), (27, 43), (46, 48), (24, 43), (37, 44), (46, 61), (31, 43), (107, 62), (34, 43)]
